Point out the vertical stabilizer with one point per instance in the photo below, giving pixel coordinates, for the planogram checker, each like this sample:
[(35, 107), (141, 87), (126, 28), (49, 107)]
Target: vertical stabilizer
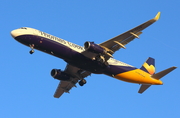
[(149, 66)]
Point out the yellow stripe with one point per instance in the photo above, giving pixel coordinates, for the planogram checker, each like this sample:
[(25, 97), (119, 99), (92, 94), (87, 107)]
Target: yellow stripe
[(150, 69), (157, 16), (137, 76)]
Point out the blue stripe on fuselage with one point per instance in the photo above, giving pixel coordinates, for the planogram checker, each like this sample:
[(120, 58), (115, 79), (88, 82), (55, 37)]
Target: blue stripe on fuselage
[(70, 56), (46, 45), (59, 50)]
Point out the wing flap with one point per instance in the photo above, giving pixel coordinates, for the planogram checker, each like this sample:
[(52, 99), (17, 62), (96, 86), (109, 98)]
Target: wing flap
[(124, 42), (65, 86), (131, 38), (59, 91), (128, 36)]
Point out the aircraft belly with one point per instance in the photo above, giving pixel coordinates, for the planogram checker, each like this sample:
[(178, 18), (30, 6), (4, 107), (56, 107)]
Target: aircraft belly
[(137, 76), (86, 64), (59, 50), (46, 45)]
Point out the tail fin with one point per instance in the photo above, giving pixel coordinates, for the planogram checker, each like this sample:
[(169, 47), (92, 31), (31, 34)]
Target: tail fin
[(156, 76), (149, 66)]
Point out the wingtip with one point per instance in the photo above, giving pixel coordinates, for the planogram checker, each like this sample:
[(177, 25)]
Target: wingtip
[(157, 16), (174, 67)]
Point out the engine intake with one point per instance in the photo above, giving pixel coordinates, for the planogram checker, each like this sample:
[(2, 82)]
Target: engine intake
[(92, 47), (60, 75)]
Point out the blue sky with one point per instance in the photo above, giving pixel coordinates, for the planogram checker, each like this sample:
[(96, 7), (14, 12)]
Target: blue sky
[(26, 85)]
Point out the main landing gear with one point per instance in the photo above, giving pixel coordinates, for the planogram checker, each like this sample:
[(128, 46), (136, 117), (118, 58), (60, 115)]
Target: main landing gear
[(82, 82), (102, 60), (32, 48)]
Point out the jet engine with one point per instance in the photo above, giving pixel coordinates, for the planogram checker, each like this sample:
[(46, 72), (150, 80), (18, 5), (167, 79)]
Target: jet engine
[(92, 47), (103, 53), (60, 75)]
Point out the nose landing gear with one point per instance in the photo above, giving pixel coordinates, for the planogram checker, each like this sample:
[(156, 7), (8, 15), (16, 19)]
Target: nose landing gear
[(31, 51), (32, 48)]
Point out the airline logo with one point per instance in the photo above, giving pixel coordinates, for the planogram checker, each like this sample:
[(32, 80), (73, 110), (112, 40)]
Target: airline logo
[(149, 68)]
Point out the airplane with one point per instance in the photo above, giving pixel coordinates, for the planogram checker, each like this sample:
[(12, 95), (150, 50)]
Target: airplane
[(92, 58)]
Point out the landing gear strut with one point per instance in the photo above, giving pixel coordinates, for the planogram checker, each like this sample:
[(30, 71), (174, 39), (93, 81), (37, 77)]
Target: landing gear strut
[(102, 60), (32, 48), (82, 82)]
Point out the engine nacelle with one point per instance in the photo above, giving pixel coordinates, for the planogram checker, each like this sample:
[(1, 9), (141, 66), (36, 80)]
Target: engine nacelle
[(92, 47), (60, 75)]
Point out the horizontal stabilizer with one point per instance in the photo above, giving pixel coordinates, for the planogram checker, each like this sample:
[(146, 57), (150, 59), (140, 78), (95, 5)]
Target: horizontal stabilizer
[(156, 76), (163, 73), (143, 88)]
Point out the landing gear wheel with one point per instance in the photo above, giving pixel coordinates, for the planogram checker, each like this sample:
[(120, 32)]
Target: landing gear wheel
[(82, 82), (31, 52), (32, 48)]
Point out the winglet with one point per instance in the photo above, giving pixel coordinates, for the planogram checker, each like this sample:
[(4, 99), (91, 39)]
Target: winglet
[(157, 16)]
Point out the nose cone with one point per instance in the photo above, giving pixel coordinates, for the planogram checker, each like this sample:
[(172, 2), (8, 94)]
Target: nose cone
[(15, 33)]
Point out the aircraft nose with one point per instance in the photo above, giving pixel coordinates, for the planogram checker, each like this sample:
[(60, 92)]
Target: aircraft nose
[(15, 33)]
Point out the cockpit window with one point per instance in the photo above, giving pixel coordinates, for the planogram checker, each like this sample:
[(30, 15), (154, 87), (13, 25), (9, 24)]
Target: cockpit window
[(23, 28)]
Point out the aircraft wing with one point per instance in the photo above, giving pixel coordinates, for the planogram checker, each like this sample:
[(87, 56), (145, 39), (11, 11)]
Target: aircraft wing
[(121, 40), (64, 86)]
